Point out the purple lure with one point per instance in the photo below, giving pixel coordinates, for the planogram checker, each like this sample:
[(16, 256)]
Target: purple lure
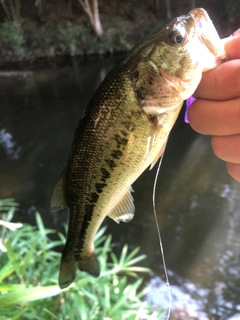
[(189, 101)]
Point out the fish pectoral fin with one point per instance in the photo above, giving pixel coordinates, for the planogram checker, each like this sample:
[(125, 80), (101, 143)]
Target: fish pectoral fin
[(58, 200), (153, 131), (159, 154), (157, 118), (124, 209), (89, 264)]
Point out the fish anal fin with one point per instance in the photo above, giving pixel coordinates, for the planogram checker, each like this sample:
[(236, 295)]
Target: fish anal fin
[(89, 263), (124, 208), (159, 154), (58, 200)]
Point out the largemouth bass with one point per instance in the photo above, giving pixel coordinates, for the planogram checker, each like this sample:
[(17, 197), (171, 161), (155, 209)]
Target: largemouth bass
[(124, 130)]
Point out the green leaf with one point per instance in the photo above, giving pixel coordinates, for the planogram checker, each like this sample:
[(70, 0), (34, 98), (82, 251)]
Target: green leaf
[(29, 256), (26, 295), (123, 255), (89, 295), (6, 204), (81, 307), (133, 253), (6, 270), (127, 295), (107, 297), (13, 258), (11, 287), (51, 314), (20, 313), (114, 258), (40, 226)]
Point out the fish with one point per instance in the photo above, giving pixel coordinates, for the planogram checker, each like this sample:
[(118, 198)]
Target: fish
[(124, 130)]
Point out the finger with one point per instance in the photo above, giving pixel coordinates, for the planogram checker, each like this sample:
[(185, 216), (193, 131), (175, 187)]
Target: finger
[(221, 83), (232, 45), (215, 117), (234, 170), (211, 79), (236, 33), (227, 148)]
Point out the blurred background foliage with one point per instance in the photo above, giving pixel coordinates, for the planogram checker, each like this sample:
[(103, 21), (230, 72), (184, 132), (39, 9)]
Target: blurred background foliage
[(41, 28)]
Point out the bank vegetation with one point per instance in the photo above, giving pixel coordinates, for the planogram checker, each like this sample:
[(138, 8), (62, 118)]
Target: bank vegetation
[(31, 29)]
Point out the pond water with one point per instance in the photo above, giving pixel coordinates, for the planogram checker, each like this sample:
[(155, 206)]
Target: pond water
[(197, 202)]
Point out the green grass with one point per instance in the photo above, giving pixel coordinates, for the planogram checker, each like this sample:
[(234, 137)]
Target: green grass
[(29, 271)]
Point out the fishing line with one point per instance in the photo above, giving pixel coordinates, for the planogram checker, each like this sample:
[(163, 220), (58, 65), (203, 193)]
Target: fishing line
[(159, 236)]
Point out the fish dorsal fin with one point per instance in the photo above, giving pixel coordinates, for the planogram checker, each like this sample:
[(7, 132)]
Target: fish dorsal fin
[(124, 209), (58, 200)]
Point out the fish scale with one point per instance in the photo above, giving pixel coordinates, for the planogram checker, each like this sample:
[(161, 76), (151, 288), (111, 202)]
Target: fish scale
[(124, 130)]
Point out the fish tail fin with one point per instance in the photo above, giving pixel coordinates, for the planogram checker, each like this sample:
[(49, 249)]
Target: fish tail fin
[(89, 263), (67, 271)]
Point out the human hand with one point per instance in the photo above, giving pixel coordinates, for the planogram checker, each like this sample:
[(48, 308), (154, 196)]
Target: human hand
[(216, 111)]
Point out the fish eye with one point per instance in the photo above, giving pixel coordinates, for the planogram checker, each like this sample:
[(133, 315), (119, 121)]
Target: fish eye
[(177, 37)]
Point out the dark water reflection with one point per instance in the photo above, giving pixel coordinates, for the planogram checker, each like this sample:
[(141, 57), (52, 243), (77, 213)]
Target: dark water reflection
[(197, 202)]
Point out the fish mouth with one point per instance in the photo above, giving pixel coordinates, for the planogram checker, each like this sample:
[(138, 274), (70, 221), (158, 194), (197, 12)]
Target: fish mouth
[(209, 37)]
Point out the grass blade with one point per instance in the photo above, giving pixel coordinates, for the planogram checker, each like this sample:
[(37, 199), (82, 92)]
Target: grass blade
[(6, 270), (14, 259), (27, 295)]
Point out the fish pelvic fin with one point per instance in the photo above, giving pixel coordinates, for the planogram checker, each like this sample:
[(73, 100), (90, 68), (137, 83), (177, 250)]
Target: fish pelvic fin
[(58, 200), (89, 263), (67, 271), (124, 208)]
